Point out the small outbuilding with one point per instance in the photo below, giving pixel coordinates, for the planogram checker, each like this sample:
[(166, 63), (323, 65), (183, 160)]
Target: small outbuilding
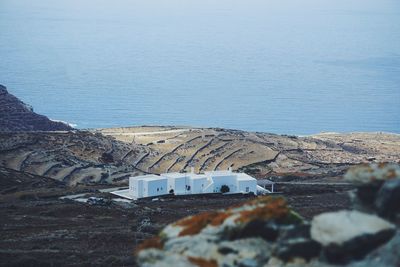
[(246, 183), (177, 183), (198, 183), (148, 186), (223, 181)]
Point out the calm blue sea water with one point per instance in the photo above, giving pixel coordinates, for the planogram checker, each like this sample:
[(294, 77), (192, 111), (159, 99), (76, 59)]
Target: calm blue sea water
[(283, 66)]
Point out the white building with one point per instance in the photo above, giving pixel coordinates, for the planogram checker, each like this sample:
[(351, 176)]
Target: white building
[(177, 183), (186, 183), (148, 186), (198, 184), (191, 183), (223, 178), (246, 183)]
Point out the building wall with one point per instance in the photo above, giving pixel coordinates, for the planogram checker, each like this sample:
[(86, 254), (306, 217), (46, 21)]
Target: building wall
[(140, 187), (136, 187), (171, 184), (131, 181), (198, 185), (155, 187), (247, 186), (229, 180), (178, 184)]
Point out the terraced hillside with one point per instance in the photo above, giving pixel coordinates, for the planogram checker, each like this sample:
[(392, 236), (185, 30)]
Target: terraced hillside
[(179, 149), (112, 155), (71, 157)]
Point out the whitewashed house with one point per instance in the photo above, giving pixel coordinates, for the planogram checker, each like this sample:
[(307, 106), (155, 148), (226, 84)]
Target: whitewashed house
[(236, 182), (198, 183), (191, 183), (246, 183), (147, 186), (223, 178), (177, 183)]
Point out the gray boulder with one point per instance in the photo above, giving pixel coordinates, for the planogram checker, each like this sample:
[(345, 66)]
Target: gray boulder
[(387, 200), (349, 235), (296, 242), (378, 187)]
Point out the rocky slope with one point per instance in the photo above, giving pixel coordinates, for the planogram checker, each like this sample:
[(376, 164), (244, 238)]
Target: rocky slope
[(15, 115), (40, 226), (267, 232), (70, 157)]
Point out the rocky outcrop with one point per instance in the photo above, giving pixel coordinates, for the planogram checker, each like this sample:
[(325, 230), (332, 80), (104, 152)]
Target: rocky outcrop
[(267, 232), (378, 188), (341, 233), (15, 116)]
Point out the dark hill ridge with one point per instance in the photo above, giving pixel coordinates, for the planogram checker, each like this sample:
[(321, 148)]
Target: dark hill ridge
[(15, 115)]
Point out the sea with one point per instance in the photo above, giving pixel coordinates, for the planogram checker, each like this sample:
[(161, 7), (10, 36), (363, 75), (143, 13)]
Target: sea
[(279, 66)]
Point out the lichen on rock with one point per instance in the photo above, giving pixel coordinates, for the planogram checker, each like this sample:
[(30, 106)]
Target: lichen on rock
[(155, 242), (194, 224), (375, 172), (378, 189), (265, 231), (240, 235), (267, 208)]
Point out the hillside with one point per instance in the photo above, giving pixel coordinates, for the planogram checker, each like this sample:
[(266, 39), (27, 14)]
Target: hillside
[(262, 154), (112, 155), (41, 228), (266, 231), (15, 115), (71, 157)]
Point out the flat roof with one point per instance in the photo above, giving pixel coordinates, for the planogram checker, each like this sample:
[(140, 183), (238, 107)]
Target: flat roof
[(197, 176), (144, 176), (149, 177), (174, 174), (245, 177), (219, 173), (157, 178)]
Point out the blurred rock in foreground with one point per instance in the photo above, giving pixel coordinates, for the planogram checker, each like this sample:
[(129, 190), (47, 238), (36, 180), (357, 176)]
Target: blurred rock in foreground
[(267, 232)]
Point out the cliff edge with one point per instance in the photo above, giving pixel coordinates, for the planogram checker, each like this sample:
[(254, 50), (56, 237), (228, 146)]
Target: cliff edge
[(16, 116)]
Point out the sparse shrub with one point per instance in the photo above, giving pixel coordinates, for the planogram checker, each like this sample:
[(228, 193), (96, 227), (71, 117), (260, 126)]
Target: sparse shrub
[(107, 158), (104, 175), (225, 189)]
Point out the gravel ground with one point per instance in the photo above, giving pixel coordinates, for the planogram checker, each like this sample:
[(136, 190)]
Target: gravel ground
[(52, 232)]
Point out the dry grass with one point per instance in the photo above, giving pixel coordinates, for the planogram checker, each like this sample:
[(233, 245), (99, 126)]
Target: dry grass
[(271, 208)]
